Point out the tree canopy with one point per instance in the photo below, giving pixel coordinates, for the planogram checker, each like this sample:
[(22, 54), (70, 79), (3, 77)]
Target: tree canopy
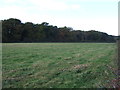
[(13, 30)]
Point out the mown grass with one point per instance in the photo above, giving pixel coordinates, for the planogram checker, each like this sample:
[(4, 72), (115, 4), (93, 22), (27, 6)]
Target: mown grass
[(57, 65)]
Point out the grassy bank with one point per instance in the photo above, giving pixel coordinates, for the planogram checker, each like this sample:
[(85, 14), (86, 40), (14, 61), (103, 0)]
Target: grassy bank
[(57, 65)]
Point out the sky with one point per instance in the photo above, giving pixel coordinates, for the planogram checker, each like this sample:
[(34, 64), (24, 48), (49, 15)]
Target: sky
[(99, 15)]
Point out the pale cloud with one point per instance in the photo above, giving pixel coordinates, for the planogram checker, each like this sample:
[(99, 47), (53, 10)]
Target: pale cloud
[(53, 5), (97, 0), (10, 1), (14, 12), (38, 11), (109, 25), (33, 8), (22, 7)]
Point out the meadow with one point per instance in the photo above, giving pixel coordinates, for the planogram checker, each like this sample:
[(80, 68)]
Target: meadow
[(58, 65)]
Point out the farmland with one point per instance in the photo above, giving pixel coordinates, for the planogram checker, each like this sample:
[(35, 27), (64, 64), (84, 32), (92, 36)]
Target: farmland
[(57, 65)]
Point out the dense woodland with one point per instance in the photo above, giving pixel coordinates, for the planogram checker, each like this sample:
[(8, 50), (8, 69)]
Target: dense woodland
[(13, 30)]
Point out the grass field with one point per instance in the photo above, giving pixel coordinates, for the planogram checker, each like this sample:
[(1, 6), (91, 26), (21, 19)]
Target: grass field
[(57, 65)]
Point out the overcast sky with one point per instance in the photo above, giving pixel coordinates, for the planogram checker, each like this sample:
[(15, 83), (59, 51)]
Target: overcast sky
[(100, 15)]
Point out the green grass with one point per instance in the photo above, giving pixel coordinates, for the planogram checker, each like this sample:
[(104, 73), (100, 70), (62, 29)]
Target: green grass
[(57, 65)]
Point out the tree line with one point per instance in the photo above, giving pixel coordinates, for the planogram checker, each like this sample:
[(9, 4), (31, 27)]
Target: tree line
[(13, 30)]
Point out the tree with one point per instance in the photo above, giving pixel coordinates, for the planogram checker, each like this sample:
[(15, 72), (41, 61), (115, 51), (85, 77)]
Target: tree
[(16, 31), (12, 29)]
